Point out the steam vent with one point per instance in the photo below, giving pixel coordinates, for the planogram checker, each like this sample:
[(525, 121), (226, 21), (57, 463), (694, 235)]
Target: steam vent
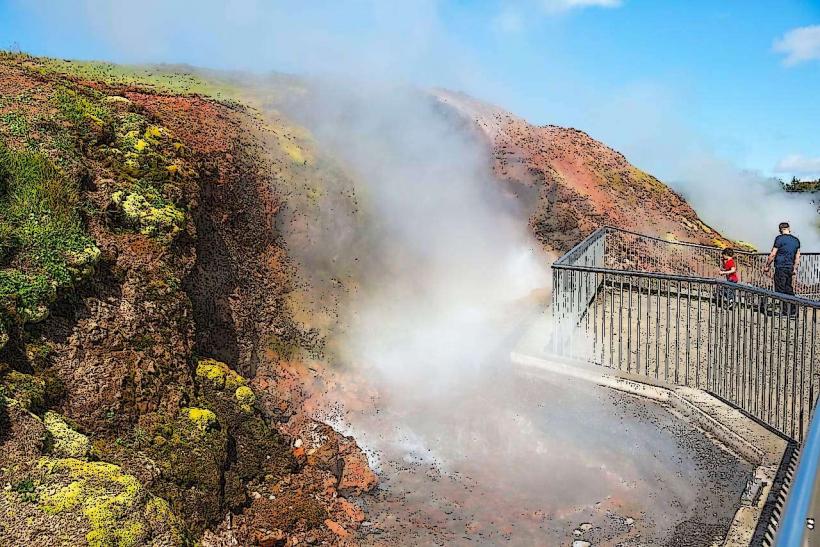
[(272, 274)]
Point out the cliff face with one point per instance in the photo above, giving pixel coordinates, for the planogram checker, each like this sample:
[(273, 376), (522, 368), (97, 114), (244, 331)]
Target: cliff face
[(143, 284), (573, 184)]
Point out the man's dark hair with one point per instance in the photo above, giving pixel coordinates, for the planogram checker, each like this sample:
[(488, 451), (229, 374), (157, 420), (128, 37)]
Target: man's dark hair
[(728, 251), (783, 226)]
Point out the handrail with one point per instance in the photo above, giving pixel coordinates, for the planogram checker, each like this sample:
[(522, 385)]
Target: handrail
[(807, 286), (681, 243), (694, 279), (584, 242), (792, 528)]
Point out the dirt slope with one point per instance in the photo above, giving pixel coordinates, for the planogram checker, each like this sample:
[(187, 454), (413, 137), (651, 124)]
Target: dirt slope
[(573, 184)]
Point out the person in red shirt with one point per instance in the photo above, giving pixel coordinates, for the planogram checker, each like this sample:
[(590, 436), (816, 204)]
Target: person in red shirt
[(728, 267)]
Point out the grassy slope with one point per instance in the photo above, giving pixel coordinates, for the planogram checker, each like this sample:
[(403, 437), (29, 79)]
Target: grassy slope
[(44, 134)]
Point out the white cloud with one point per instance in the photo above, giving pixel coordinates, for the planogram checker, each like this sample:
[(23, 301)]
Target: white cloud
[(796, 164), (799, 45)]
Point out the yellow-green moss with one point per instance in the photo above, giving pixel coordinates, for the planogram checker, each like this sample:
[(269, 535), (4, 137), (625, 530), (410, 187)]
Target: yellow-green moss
[(246, 398), (745, 246), (64, 499), (219, 374), (4, 335), (201, 417), (106, 497), (165, 221), (67, 442), (81, 264)]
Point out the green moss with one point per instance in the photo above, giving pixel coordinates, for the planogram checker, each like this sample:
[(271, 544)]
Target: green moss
[(246, 398), (81, 109), (16, 124), (28, 390), (165, 78), (67, 442), (202, 418), (164, 221), (114, 504), (219, 374), (39, 215)]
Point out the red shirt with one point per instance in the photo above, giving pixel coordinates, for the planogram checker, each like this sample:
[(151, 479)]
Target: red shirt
[(728, 264)]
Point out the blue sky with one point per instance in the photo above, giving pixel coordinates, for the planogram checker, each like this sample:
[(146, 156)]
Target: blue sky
[(668, 83)]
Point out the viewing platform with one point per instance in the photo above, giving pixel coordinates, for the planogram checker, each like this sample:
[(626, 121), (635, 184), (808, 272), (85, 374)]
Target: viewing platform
[(657, 312)]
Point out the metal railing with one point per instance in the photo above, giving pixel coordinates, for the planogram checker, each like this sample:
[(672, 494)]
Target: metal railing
[(631, 251), (656, 308), (746, 344)]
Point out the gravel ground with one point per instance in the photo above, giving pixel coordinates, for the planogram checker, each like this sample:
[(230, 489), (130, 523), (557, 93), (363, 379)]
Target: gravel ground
[(546, 461)]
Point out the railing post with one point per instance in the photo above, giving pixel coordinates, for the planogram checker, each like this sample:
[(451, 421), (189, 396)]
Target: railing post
[(792, 528)]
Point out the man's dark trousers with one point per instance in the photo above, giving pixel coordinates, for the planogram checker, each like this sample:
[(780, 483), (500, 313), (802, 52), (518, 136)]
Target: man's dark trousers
[(784, 280), (784, 284)]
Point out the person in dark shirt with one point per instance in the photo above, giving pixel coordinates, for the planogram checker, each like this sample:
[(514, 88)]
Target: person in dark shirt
[(786, 257)]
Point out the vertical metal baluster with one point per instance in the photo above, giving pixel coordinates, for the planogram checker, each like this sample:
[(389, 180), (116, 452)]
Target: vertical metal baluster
[(595, 318), (612, 322), (779, 367), (710, 353), (668, 323), (556, 310), (603, 320), (787, 361), (629, 328), (767, 359), (638, 334), (738, 368), (620, 321), (801, 411), (754, 358), (677, 331), (648, 324), (697, 339), (658, 330), (688, 331)]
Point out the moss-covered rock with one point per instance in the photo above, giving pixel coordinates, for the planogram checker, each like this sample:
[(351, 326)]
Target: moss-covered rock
[(259, 450), (4, 334), (219, 375), (66, 443), (191, 453), (28, 390), (164, 221), (202, 418), (81, 263), (114, 507), (246, 398)]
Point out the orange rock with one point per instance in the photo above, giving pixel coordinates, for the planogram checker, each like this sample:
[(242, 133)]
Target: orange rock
[(336, 528), (357, 477), (352, 511)]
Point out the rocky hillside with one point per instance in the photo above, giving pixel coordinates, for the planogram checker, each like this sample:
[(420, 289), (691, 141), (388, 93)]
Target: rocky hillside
[(174, 256), (144, 285), (573, 184)]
